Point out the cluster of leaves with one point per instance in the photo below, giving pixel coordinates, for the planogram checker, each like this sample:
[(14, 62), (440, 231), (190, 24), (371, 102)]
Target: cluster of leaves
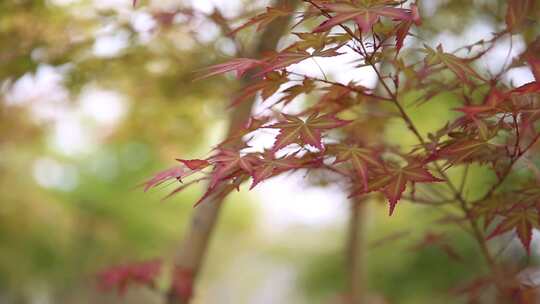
[(304, 138), (497, 127)]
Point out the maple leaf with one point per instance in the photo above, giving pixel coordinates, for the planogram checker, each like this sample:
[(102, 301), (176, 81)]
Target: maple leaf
[(360, 159), (296, 130), (284, 59), (401, 32), (392, 182), (178, 172), (264, 19), (364, 16), (337, 97), (398, 181), (528, 88), (522, 220), (163, 176), (466, 150), (292, 92), (240, 65), (229, 163), (335, 93), (317, 41), (289, 57), (251, 125), (490, 208), (268, 86), (194, 164), (402, 29), (182, 283), (491, 104), (457, 65), (120, 277), (270, 166), (146, 274)]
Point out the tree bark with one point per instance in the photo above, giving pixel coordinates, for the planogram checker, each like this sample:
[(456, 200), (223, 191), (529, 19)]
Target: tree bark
[(190, 256)]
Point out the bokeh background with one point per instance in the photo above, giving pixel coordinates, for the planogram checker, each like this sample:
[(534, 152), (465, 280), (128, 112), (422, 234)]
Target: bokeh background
[(96, 96)]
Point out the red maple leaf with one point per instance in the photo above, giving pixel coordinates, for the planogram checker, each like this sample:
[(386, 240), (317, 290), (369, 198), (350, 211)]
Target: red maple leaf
[(490, 208), (292, 92), (459, 66), (492, 104), (296, 130), (360, 159), (531, 87), (194, 164), (283, 59), (270, 166), (268, 85), (163, 176), (239, 65), (264, 19), (522, 219), (120, 277), (466, 150), (182, 283), (229, 163), (402, 29), (189, 167), (393, 181), (365, 16)]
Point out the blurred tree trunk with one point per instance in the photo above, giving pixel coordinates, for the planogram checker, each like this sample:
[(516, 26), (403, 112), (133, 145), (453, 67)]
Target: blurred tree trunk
[(355, 252), (191, 253), (356, 246)]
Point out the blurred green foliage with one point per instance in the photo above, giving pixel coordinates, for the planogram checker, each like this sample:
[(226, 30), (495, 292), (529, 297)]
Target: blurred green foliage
[(60, 237)]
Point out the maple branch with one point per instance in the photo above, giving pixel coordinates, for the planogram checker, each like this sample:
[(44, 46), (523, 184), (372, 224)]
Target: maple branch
[(194, 246), (354, 243), (477, 232), (359, 46)]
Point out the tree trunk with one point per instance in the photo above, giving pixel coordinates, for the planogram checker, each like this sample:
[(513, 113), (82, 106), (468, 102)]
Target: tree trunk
[(190, 256), (355, 252)]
